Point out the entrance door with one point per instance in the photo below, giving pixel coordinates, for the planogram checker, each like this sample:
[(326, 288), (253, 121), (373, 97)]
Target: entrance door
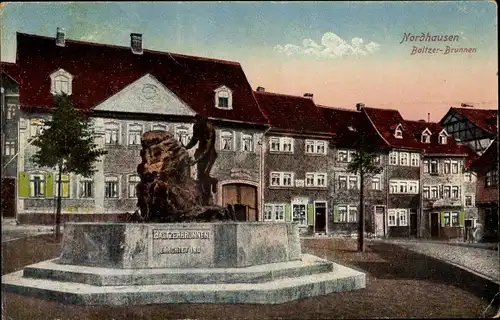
[(413, 224), (8, 198), (244, 199), (320, 215), (434, 224), (379, 221)]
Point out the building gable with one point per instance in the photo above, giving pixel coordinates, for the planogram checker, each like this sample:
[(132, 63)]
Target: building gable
[(146, 96)]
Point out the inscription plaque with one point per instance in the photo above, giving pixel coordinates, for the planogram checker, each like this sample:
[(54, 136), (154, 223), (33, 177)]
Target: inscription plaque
[(178, 247)]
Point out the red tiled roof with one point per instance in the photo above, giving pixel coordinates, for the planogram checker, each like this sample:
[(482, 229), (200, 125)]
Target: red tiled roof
[(349, 125), (292, 113), (10, 69), (486, 119), (489, 159), (100, 71), (416, 128)]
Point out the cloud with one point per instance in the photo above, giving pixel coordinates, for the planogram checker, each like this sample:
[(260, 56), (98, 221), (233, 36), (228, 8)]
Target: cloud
[(332, 46)]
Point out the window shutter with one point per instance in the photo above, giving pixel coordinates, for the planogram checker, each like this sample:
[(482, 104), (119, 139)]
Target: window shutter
[(288, 212), (462, 218), (310, 214), (65, 186), (49, 185), (24, 185), (336, 216), (442, 219)]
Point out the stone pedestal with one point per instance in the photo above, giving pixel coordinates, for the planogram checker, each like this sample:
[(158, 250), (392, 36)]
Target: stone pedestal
[(224, 262)]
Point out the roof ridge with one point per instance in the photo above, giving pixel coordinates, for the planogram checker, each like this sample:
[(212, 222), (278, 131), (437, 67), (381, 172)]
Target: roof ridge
[(385, 109), (336, 108), (475, 109), (179, 55), (280, 94)]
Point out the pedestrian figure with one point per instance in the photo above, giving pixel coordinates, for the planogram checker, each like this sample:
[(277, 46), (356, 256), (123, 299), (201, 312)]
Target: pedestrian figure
[(472, 234)]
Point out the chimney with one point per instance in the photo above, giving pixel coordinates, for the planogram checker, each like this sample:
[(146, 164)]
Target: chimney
[(308, 95), (60, 37), (261, 89), (428, 117), (359, 106), (421, 120), (136, 43)]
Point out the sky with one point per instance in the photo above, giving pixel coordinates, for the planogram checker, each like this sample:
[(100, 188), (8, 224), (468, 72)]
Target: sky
[(342, 52)]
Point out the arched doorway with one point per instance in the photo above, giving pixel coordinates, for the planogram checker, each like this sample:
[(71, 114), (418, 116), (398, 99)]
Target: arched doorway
[(244, 199)]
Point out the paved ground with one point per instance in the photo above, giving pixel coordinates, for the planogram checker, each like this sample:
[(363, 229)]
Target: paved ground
[(12, 231), (400, 284), (482, 261)]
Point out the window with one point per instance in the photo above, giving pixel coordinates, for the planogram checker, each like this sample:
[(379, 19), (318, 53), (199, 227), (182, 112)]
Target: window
[(413, 187), (434, 192), (182, 134), (342, 156), (133, 181), (111, 187), (223, 98), (393, 158), (455, 192), (299, 214), (37, 185), (394, 187), (447, 167), (391, 215), (246, 142), (86, 188), (434, 167), (134, 134), (10, 148), (426, 138), (446, 192), (375, 183), (159, 127), (353, 183), (469, 200), (11, 111), (403, 221), (351, 156), (443, 139), (454, 219), (404, 186), (454, 167), (341, 214), (403, 158), (353, 214), (61, 82), (398, 133), (36, 127), (315, 146), (446, 219), (426, 192), (468, 177), (491, 178), (314, 179), (343, 182), (65, 183), (281, 179), (226, 140), (281, 144), (415, 160), (426, 166), (376, 159), (112, 133), (274, 212)]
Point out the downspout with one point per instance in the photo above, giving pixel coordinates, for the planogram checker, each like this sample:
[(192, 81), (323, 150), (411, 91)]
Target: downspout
[(261, 173)]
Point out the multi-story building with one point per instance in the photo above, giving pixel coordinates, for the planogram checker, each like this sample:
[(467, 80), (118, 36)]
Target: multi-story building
[(486, 168), (352, 129), (447, 189), (130, 90), (474, 127), (9, 98), (297, 154)]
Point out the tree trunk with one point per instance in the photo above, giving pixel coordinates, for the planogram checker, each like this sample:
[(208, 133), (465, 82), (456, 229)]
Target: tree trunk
[(58, 205), (361, 224)]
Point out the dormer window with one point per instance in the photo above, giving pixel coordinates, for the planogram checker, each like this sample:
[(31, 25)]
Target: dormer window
[(61, 82), (398, 133), (443, 137), (426, 136), (223, 98)]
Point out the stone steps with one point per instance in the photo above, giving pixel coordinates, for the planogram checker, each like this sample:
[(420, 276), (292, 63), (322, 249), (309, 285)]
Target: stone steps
[(51, 270)]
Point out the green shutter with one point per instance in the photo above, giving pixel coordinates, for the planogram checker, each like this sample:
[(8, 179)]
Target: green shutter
[(461, 218), (24, 185), (65, 186), (49, 185), (442, 219), (288, 212), (336, 215), (310, 214)]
